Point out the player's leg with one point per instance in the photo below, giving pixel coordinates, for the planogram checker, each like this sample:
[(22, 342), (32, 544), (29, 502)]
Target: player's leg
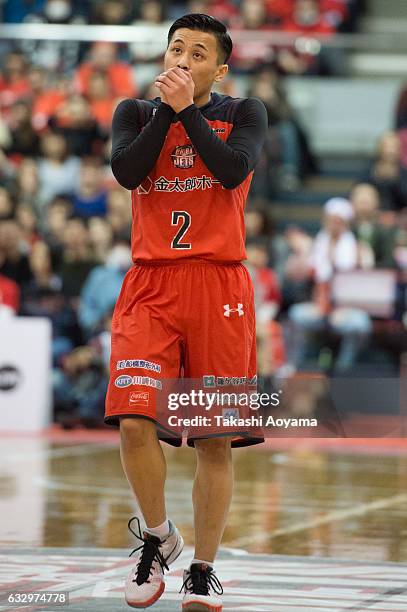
[(220, 347), (144, 464), (145, 352), (161, 543), (211, 495)]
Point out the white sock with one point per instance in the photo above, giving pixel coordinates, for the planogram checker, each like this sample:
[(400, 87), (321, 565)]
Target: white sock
[(210, 563), (161, 531)]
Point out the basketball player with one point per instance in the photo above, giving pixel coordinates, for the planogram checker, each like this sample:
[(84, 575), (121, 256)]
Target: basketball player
[(187, 303)]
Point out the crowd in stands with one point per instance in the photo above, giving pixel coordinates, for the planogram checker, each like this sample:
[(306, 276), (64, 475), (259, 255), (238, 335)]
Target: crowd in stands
[(322, 16), (305, 17), (65, 223)]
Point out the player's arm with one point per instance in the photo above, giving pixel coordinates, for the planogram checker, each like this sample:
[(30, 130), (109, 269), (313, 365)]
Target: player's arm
[(135, 149), (231, 161)]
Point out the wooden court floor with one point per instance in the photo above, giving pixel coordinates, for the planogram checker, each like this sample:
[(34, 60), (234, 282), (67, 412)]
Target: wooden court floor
[(315, 525)]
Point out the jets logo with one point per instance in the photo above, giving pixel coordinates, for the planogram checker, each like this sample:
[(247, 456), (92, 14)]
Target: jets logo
[(183, 156)]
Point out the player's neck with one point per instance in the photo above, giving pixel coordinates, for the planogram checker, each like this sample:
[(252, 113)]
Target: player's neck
[(202, 100)]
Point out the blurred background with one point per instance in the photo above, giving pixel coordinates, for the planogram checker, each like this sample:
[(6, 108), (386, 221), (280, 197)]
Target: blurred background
[(327, 213)]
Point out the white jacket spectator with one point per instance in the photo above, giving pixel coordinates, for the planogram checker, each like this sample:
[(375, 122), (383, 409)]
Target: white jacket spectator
[(335, 247)]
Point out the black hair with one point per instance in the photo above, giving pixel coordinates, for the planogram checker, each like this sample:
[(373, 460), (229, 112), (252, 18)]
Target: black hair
[(205, 23)]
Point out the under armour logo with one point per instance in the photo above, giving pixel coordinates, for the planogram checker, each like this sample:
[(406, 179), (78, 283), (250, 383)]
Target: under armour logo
[(228, 310)]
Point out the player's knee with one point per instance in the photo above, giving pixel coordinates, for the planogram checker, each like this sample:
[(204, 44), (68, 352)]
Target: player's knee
[(214, 449), (136, 431)]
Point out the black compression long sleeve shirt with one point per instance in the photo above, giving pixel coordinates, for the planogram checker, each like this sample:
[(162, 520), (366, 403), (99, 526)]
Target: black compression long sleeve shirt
[(231, 161), (137, 141), (135, 149)]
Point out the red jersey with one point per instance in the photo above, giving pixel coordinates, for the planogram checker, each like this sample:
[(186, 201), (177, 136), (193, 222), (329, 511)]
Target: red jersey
[(191, 202)]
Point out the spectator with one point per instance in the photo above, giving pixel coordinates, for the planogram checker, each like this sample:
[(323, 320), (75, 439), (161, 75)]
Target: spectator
[(57, 215), (65, 11), (401, 111), (91, 198), (14, 83), (74, 120), (279, 11), (119, 213), (307, 18), (152, 11), (5, 136), (6, 205), (267, 297), (41, 266), (26, 184), (9, 296), (267, 300), (46, 97), (58, 171), (24, 140), (101, 238), (80, 384), (224, 10), (41, 277), (249, 56), (7, 170), (28, 224), (375, 242), (400, 259), (13, 258), (103, 57), (334, 249), (257, 222), (102, 288), (286, 143), (336, 13), (259, 225), (42, 297), (400, 251), (56, 55), (385, 172), (102, 103), (77, 258), (293, 268), (148, 58), (113, 12)]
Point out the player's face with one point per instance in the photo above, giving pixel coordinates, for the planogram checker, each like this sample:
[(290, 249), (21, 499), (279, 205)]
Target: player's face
[(197, 52)]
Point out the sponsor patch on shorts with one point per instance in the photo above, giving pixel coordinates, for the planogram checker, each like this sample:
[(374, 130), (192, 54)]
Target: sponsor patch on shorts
[(124, 380), (230, 413), (139, 398), (127, 364)]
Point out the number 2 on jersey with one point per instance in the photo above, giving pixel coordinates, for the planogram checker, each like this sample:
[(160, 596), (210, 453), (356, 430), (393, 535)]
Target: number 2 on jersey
[(185, 218)]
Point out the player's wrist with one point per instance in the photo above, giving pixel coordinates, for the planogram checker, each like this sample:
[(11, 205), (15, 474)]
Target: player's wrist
[(166, 106), (181, 107)]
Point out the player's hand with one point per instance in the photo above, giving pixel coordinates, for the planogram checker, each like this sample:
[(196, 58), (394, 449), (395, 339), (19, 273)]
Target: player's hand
[(161, 93), (176, 88)]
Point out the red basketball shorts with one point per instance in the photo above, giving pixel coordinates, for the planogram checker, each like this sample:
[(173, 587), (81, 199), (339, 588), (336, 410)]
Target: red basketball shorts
[(178, 327)]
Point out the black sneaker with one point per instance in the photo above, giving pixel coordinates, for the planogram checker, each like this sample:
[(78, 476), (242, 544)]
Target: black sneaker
[(202, 589)]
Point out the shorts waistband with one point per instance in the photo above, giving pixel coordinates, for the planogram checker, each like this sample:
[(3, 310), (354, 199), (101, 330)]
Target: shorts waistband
[(183, 262)]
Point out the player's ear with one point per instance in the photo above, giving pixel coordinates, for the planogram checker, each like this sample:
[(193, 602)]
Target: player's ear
[(221, 72)]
